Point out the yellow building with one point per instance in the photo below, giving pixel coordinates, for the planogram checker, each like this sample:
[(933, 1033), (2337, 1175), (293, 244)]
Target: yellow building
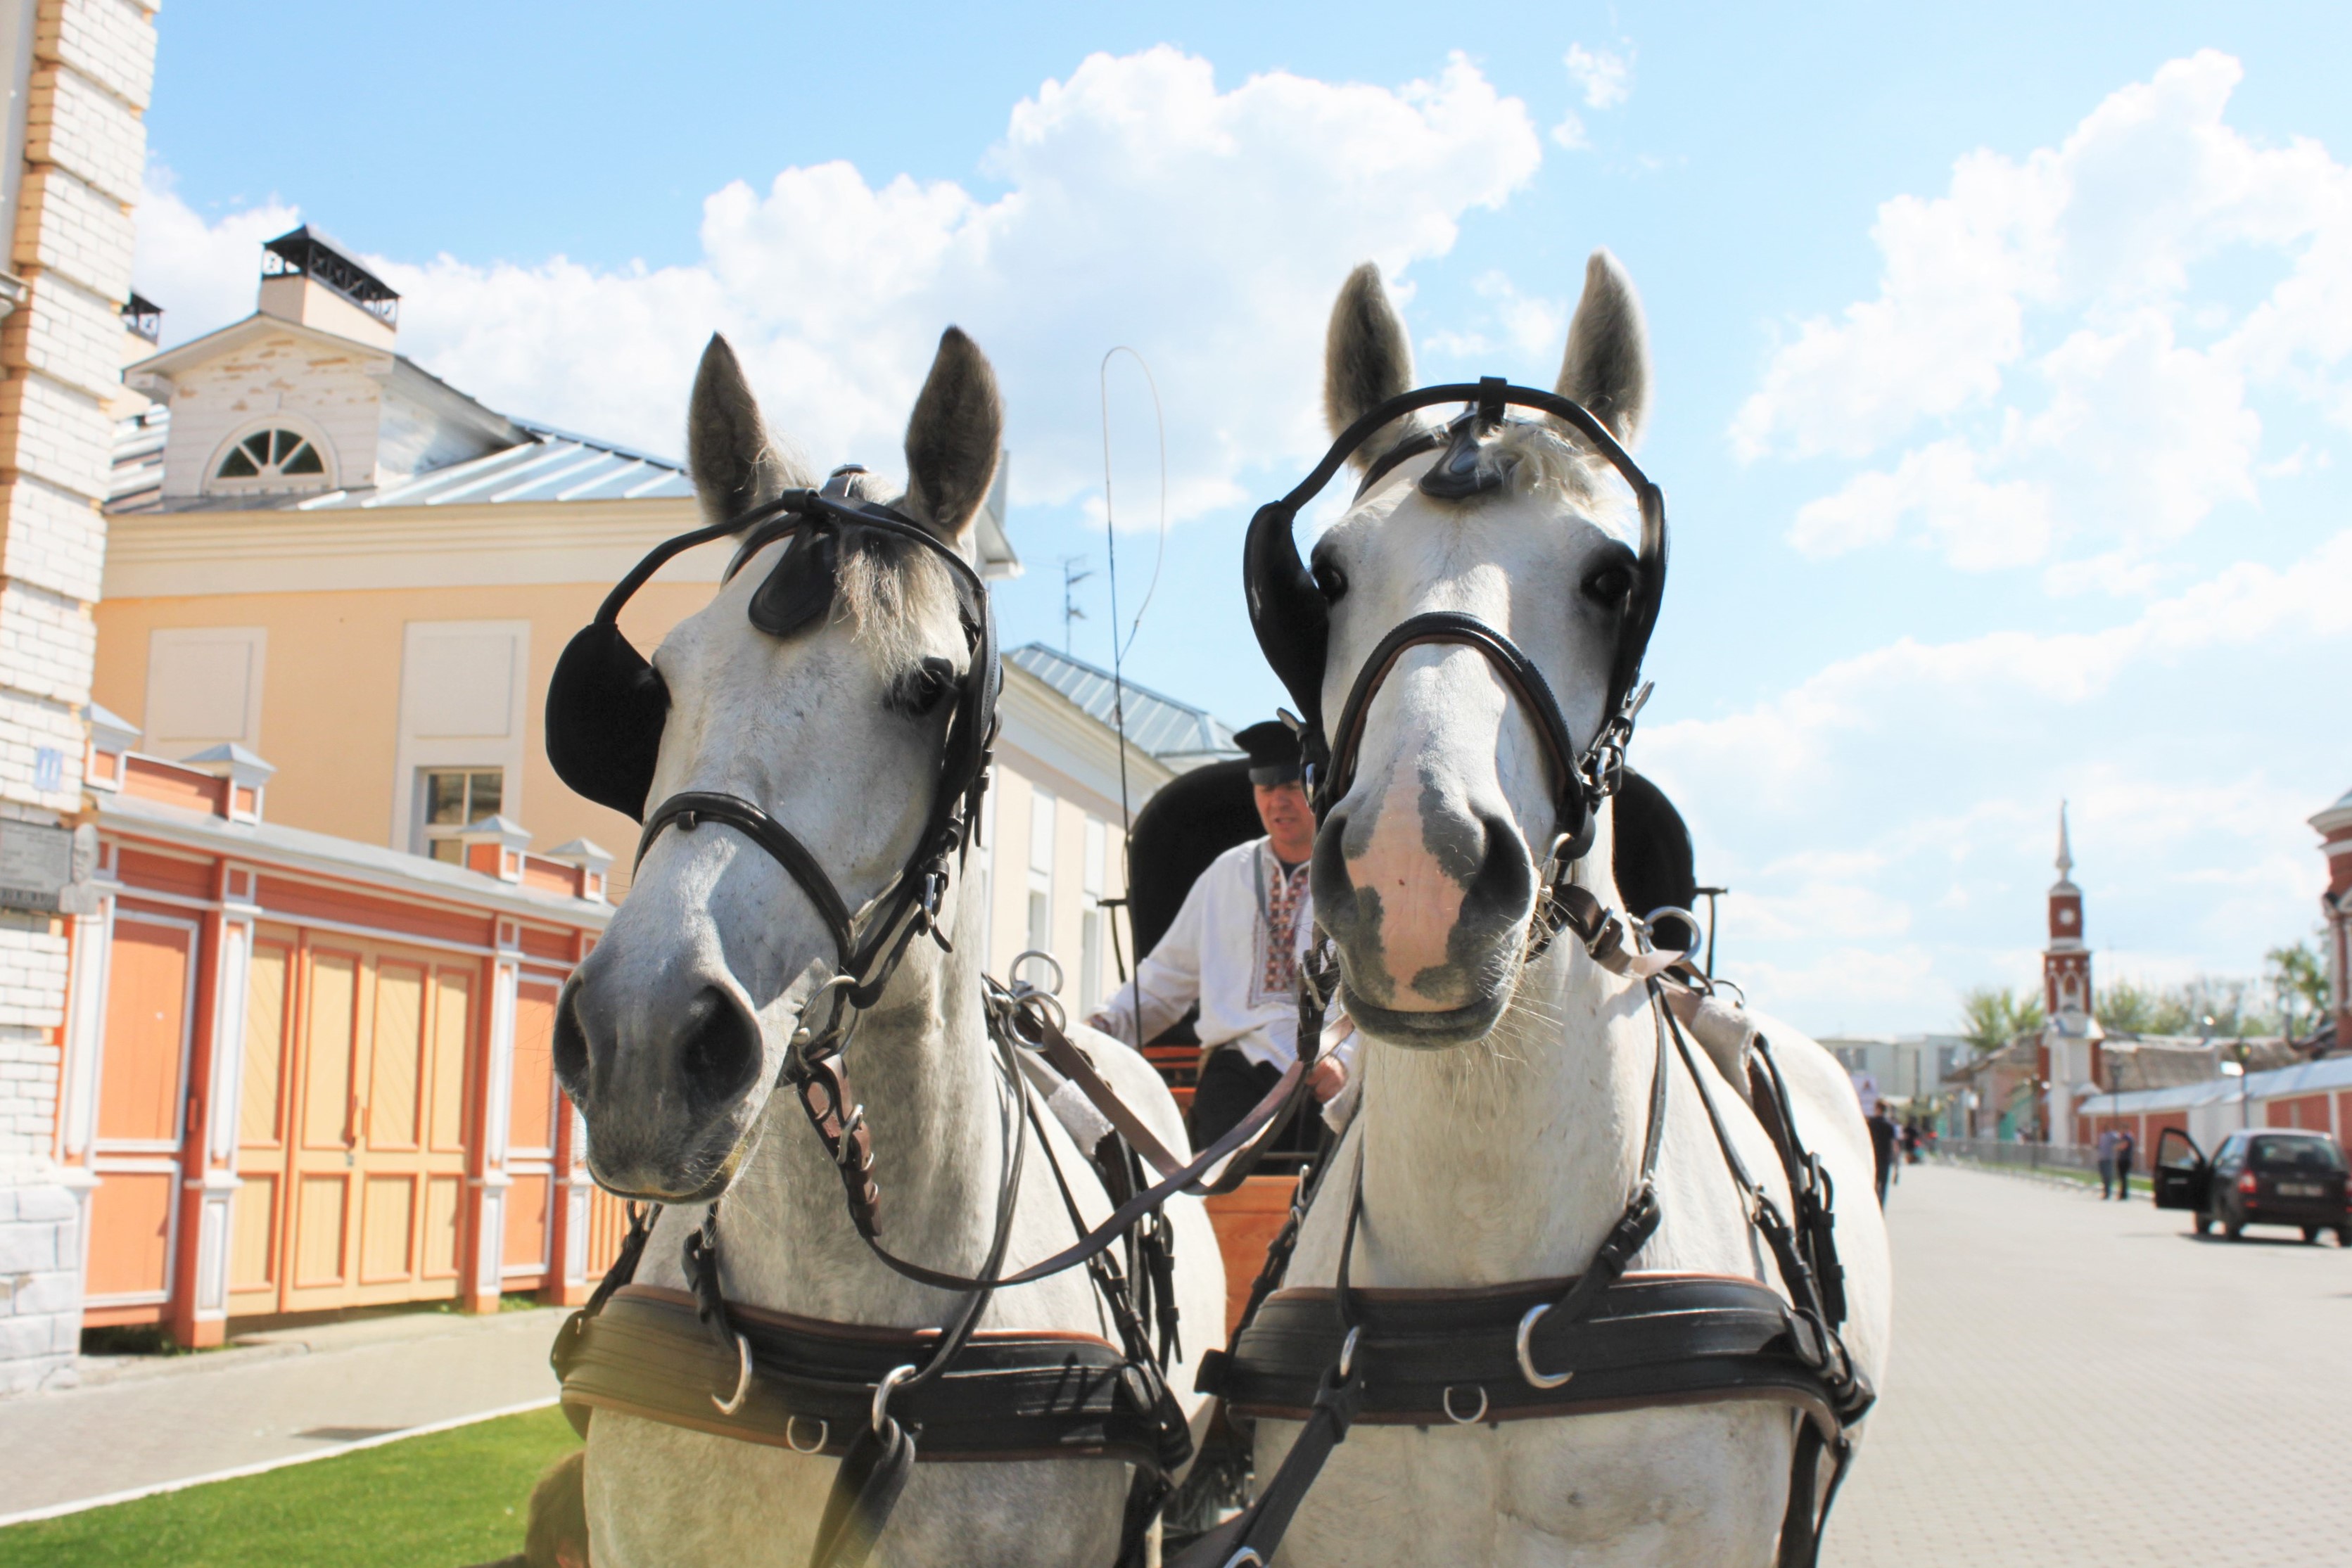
[(324, 555)]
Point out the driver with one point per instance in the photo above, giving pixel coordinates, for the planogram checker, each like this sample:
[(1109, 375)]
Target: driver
[(1234, 949)]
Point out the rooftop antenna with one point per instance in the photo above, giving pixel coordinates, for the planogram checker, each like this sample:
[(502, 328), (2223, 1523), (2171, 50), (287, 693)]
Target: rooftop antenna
[(1074, 572)]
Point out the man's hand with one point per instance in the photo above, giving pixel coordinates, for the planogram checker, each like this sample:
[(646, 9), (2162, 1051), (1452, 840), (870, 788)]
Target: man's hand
[(1328, 1079)]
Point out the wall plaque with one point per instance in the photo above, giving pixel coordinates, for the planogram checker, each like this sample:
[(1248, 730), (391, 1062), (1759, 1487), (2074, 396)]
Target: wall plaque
[(36, 865)]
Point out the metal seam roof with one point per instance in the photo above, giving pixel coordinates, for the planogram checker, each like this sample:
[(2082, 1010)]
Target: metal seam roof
[(553, 466), (1159, 726)]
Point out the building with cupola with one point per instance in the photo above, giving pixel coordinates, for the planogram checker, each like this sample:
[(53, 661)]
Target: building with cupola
[(2069, 1057)]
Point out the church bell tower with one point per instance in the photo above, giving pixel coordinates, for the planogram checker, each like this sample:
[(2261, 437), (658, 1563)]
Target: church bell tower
[(2066, 962)]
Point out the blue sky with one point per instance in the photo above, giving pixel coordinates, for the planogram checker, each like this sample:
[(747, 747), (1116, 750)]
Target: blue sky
[(2001, 355)]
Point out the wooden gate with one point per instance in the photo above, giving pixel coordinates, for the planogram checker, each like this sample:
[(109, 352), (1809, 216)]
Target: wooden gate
[(141, 1106), (353, 1133)]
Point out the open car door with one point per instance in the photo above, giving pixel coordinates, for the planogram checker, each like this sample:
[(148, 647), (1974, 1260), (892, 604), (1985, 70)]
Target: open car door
[(2182, 1171)]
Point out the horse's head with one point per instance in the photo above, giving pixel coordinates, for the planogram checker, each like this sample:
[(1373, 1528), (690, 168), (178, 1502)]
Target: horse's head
[(818, 686), (1426, 866)]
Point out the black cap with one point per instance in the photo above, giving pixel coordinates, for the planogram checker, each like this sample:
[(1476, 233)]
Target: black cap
[(1273, 752)]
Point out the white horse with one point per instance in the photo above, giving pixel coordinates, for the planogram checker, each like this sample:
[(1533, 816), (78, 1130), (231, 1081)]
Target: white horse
[(672, 1033), (1504, 1101)]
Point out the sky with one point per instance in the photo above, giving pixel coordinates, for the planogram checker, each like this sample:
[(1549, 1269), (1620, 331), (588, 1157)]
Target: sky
[(2003, 363)]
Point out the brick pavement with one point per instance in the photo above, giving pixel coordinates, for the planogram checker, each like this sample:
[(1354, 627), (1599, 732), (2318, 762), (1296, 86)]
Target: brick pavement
[(2080, 1383), (143, 1422)]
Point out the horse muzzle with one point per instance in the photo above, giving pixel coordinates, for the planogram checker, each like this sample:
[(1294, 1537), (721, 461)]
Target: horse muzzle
[(669, 1086), (1429, 912)]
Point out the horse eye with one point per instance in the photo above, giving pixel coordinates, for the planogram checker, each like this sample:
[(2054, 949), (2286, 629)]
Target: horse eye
[(1332, 580), (919, 691), (1609, 587)]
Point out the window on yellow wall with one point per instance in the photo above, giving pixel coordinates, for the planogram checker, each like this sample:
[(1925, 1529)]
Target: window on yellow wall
[(451, 800), (1040, 871), (1094, 924)]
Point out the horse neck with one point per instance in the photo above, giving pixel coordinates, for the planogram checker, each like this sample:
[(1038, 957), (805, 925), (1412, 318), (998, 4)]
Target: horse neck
[(1509, 1159), (922, 1064)]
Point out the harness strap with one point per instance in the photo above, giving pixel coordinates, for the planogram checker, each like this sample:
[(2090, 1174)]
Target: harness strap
[(1810, 1187), (865, 1492)]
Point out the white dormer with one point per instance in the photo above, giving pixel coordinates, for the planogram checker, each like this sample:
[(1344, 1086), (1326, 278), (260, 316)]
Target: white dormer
[(306, 397)]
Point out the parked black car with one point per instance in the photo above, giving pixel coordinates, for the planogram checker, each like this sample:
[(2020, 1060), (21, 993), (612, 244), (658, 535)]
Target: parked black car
[(2263, 1176)]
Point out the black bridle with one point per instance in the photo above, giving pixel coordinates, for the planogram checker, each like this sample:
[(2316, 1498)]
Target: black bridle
[(606, 707), (1292, 617)]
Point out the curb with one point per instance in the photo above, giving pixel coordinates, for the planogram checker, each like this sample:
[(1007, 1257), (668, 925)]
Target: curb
[(108, 1500)]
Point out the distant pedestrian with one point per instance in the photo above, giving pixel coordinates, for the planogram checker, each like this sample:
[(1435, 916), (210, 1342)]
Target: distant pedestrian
[(1882, 1147), (1911, 1143), (2126, 1146), (2107, 1141)]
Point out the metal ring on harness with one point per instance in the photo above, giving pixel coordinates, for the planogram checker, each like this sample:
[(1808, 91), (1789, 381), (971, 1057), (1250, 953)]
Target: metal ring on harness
[(884, 1389), (1445, 1399), (734, 1403), (1246, 1557), (1348, 1354), (824, 1432), (1527, 1362)]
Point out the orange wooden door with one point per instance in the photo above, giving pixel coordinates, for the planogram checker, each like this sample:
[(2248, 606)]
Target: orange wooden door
[(375, 1162), (533, 1107), (256, 1227), (141, 1104)]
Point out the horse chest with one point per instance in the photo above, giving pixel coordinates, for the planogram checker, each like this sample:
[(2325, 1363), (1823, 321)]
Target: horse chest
[(1700, 1486)]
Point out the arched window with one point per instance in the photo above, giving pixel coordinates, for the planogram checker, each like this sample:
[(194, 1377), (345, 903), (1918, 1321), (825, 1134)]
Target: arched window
[(271, 457), (267, 454)]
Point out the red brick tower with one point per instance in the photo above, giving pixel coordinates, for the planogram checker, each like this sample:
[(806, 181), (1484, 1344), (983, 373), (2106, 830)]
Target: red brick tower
[(2066, 962)]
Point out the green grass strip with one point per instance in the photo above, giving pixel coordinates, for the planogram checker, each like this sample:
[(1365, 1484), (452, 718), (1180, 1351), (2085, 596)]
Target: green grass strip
[(436, 1502)]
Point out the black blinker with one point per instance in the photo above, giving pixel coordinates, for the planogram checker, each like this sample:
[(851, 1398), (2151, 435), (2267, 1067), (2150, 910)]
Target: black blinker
[(606, 708), (801, 587)]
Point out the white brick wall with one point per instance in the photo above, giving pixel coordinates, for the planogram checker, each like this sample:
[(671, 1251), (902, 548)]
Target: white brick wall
[(111, 42), (41, 1286), (67, 224), (55, 432), (68, 333), (85, 146), (73, 123), (55, 538)]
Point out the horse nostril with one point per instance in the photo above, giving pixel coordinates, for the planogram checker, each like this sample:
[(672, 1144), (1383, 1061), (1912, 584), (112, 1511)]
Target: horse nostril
[(571, 1048), (719, 1049), (1503, 886)]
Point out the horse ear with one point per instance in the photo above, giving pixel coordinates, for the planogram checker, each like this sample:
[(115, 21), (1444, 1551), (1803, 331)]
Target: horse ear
[(735, 464), (953, 437), (1607, 366), (1366, 358)]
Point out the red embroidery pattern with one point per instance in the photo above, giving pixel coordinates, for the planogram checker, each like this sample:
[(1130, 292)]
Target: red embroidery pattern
[(1278, 963)]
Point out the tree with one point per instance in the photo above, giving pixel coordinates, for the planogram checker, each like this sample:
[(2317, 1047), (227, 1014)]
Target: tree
[(2297, 974), (1992, 1016), (2126, 1007)]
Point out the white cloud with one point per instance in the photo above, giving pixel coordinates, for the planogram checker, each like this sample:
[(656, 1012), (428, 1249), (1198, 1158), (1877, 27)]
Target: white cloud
[(2044, 318), (1796, 739), (1136, 202), (1604, 77), (1977, 525), (1528, 326)]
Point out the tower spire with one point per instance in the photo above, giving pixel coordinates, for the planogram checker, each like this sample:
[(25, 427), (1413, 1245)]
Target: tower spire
[(2065, 853)]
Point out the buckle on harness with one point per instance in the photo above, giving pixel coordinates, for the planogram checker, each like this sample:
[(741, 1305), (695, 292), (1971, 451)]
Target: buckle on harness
[(1526, 1361)]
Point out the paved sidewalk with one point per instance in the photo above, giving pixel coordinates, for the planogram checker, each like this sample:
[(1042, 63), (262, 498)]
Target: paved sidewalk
[(141, 1421), (2083, 1383)]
